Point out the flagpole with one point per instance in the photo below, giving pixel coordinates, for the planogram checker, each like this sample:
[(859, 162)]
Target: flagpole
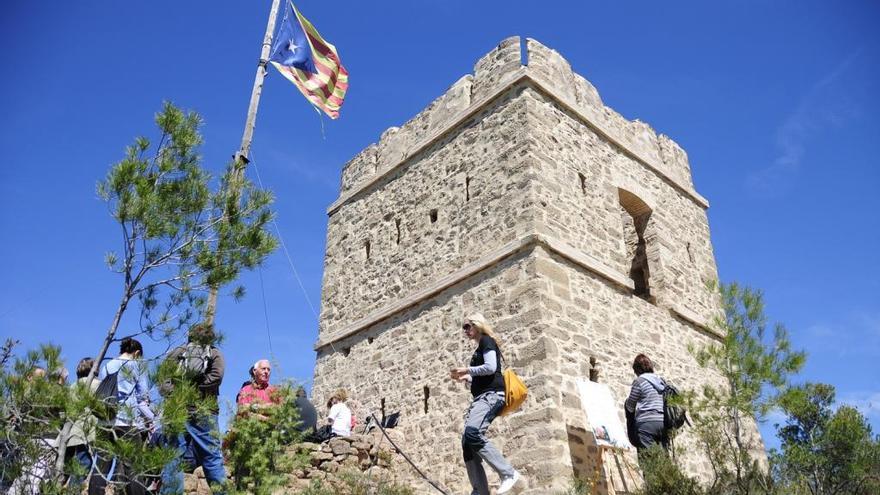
[(241, 157)]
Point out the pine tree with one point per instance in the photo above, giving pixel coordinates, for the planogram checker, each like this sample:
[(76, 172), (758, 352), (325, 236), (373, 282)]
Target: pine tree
[(825, 451), (754, 366), (181, 233)]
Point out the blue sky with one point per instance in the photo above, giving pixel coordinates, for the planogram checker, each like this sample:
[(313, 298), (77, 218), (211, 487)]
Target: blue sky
[(775, 103)]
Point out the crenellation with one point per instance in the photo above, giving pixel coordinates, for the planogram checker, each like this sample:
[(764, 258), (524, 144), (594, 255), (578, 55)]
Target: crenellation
[(456, 100), (393, 146), (675, 158), (550, 66), (587, 97), (363, 165), (644, 140), (491, 69)]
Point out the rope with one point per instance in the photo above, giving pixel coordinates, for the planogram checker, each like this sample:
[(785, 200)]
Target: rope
[(411, 463), (266, 313), (284, 248), (289, 258), (321, 119)]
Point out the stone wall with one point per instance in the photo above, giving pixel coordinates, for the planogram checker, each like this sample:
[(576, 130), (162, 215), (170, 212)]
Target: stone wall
[(581, 178), (403, 365), (366, 458), (520, 195), (449, 206)]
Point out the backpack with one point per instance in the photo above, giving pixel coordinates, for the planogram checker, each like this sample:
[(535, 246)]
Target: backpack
[(674, 415), (106, 393), (193, 361)]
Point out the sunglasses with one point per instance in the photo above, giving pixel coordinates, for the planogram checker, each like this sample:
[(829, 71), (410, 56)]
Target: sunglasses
[(466, 327)]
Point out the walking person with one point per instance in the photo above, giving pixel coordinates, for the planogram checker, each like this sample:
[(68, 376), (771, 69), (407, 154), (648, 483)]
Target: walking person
[(134, 418), (644, 406), (203, 364), (487, 388)]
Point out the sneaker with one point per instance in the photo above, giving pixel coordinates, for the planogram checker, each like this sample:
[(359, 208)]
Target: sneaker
[(507, 483)]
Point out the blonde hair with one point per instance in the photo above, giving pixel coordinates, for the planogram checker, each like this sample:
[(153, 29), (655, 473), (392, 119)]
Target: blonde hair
[(482, 325), (340, 395)]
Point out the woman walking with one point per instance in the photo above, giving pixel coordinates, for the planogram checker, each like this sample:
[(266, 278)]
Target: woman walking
[(487, 389)]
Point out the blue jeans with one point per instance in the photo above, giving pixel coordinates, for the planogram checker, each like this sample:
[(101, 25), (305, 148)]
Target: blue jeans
[(476, 448), (199, 446), (80, 454)]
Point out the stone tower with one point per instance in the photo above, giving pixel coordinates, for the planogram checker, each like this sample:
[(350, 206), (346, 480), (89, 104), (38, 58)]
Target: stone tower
[(577, 232)]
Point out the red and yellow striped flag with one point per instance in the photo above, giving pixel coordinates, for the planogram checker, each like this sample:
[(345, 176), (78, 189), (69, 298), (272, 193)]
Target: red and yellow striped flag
[(301, 55)]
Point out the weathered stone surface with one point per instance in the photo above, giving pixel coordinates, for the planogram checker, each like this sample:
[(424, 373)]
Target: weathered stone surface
[(319, 457), (576, 231), (339, 446)]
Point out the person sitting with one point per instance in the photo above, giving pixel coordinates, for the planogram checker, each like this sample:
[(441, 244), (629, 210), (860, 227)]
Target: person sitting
[(339, 418), (308, 415)]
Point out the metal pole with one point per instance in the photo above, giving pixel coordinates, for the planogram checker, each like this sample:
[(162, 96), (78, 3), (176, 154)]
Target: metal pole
[(241, 156)]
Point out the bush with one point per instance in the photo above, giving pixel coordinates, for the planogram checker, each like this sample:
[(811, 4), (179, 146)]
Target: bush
[(357, 483), (663, 476), (257, 445)]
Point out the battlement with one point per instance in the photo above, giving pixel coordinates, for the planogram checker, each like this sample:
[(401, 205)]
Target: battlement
[(495, 73)]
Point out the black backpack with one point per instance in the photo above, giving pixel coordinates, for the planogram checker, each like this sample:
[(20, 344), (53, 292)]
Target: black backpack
[(107, 395), (674, 415)]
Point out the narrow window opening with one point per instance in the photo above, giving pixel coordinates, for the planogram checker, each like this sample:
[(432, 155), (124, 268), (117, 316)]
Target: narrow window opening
[(583, 180), (382, 408), (467, 189), (635, 215), (427, 392), (397, 226), (433, 215), (523, 51), (690, 253), (367, 249), (594, 370)]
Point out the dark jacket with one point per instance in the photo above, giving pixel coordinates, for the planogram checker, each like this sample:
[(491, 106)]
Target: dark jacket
[(208, 383)]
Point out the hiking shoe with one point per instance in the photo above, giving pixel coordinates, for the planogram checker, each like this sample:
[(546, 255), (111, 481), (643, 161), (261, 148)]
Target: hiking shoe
[(507, 483)]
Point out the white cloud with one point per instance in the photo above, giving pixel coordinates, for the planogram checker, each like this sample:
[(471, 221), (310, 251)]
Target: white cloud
[(868, 403), (855, 334), (822, 106)]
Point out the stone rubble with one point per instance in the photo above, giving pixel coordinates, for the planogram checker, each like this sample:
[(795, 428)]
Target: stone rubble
[(368, 454)]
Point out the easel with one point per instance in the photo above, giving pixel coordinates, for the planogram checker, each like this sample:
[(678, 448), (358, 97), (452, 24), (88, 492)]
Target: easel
[(603, 424), (621, 478)]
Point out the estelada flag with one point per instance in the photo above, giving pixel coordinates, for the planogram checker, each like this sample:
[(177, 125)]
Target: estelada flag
[(301, 55)]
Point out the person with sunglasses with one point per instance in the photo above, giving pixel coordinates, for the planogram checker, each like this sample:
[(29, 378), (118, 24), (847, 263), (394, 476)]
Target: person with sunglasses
[(487, 388)]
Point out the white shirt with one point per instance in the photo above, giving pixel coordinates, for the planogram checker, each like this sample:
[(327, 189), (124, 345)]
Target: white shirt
[(340, 415)]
